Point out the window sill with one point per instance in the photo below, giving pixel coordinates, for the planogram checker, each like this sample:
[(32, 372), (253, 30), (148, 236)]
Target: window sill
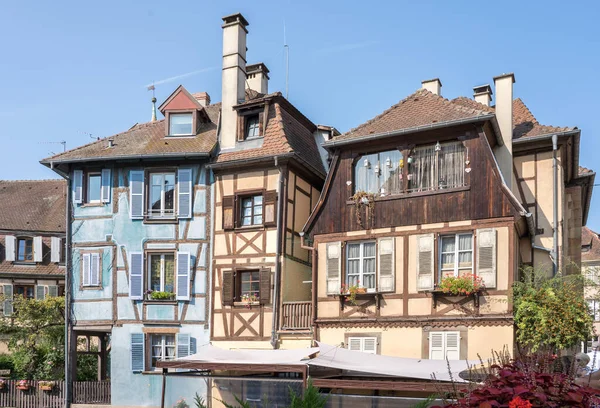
[(160, 302), (165, 220), (250, 228), (91, 287), (417, 194), (244, 304), (437, 293), (85, 205), (153, 372), (24, 263)]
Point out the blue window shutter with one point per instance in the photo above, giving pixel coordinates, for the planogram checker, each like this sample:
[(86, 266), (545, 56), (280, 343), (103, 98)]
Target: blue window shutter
[(106, 186), (183, 345), (136, 272), (193, 346), (184, 193), (136, 194), (183, 276), (8, 300), (78, 186), (137, 352)]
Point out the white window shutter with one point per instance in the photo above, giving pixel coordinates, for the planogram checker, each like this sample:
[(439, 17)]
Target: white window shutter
[(425, 262), (106, 186), (55, 249), (9, 247), (386, 264), (486, 256), (370, 345), (77, 186), (183, 276), (137, 352), (40, 292), (38, 254), (53, 291), (184, 193), (436, 346), (95, 269), (8, 300), (183, 345), (85, 269), (452, 345), (136, 194), (354, 344), (334, 267), (136, 272)]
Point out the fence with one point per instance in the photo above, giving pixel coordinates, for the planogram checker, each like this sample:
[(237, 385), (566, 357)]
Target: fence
[(84, 392), (296, 315)]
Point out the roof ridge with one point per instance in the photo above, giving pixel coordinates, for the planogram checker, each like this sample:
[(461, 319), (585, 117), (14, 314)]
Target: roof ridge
[(30, 180)]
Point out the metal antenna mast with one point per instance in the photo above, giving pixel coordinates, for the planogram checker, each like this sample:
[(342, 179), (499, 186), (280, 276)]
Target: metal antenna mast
[(287, 64)]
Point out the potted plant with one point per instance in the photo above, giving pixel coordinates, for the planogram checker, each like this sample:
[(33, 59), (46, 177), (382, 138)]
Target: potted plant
[(463, 285), (46, 385), (2, 384), (351, 292), (159, 295), (23, 385), (249, 300)]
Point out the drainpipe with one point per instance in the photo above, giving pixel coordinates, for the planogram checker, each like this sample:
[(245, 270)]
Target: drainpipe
[(276, 290), (313, 314), (555, 204), (68, 261)]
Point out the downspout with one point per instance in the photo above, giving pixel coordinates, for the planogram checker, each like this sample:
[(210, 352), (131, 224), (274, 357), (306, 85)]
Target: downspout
[(555, 204), (313, 314), (278, 260), (68, 260)]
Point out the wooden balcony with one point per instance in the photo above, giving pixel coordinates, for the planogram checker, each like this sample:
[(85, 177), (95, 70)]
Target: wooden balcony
[(296, 315)]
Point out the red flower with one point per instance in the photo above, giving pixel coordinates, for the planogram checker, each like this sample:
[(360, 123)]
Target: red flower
[(519, 402)]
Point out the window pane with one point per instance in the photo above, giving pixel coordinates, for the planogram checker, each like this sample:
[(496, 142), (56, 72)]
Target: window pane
[(390, 181), (255, 275), (169, 197), (21, 250), (465, 259), (246, 221), (258, 200), (448, 261), (353, 267), (155, 197), (258, 210), (369, 281), (247, 203), (369, 249), (180, 124), (252, 126), (448, 244), (353, 280), (452, 165), (156, 179), (353, 250), (170, 273), (94, 186), (464, 242), (258, 219), (365, 178), (155, 272), (422, 170)]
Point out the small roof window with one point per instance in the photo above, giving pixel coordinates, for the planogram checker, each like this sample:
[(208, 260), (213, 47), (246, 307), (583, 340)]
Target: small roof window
[(180, 124)]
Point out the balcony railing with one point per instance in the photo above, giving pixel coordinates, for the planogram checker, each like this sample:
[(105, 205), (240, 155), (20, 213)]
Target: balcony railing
[(296, 315)]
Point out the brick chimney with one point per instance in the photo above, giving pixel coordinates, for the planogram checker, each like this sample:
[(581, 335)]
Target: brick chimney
[(483, 94), (258, 78), (233, 77), (433, 85), (203, 98), (504, 115)]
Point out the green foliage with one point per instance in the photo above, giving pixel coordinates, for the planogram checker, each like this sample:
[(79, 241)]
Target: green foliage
[(242, 404), (87, 366), (199, 401), (461, 285), (157, 295), (311, 398), (6, 362), (36, 338), (550, 312), (425, 403)]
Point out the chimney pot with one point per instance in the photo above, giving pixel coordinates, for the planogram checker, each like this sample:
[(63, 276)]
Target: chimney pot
[(433, 85), (203, 98), (483, 94), (258, 78)]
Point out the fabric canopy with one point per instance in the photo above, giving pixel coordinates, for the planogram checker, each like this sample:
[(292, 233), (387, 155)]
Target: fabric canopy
[(344, 359), (211, 354)]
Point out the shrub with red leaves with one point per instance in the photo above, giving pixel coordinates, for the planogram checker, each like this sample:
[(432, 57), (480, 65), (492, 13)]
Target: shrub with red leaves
[(515, 386)]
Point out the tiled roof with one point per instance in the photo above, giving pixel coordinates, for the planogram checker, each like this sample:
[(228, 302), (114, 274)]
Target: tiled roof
[(584, 171), (146, 139), (33, 205), (590, 245), (7, 267), (419, 109), (284, 134)]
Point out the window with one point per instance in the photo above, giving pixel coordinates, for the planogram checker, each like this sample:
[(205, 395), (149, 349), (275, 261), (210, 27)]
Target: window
[(249, 285), (363, 344), (162, 272), (456, 255), (180, 124), (594, 306), (163, 348), (94, 188), (436, 167), (361, 262), (592, 274), (25, 250), (27, 291), (444, 345), (379, 173), (251, 210), (90, 269), (162, 195), (252, 127)]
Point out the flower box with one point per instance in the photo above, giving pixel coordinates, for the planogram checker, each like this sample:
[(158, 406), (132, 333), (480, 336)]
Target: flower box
[(46, 385), (23, 387)]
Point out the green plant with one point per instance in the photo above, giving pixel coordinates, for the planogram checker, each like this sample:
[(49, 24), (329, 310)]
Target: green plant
[(311, 398), (425, 403), (466, 284), (242, 404), (158, 295), (550, 312), (199, 401), (362, 199)]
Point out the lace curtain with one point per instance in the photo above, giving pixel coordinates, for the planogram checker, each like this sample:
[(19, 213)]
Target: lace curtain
[(433, 170)]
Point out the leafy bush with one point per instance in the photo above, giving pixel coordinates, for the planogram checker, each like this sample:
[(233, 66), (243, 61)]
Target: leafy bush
[(157, 295), (461, 285)]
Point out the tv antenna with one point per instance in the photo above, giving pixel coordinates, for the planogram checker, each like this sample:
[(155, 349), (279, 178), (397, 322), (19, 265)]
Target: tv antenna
[(153, 89), (287, 63), (62, 142)]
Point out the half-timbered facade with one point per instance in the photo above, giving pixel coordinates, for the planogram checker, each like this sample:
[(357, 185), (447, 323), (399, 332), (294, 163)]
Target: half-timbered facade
[(430, 191), (140, 241), (267, 179)]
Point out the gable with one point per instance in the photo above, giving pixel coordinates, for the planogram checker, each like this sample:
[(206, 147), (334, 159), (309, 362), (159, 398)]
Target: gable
[(181, 101)]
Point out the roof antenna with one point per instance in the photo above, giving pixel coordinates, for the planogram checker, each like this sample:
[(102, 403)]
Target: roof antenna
[(62, 142), (287, 63), (152, 88)]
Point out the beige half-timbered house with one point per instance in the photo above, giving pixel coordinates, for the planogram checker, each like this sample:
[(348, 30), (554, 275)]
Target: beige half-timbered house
[(435, 188)]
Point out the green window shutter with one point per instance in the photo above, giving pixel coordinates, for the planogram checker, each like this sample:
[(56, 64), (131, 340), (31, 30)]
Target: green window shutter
[(8, 300), (137, 352), (40, 292), (183, 345)]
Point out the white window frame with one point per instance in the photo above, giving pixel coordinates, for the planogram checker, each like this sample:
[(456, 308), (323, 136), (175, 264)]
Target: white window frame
[(254, 207), (444, 342), (88, 189), (18, 250), (252, 127), (162, 271), (362, 341), (190, 115), (162, 215), (361, 260), (163, 348), (456, 253)]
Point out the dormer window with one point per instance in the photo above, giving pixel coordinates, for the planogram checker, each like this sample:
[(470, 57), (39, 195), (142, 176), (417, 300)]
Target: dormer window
[(25, 250), (252, 126), (180, 124)]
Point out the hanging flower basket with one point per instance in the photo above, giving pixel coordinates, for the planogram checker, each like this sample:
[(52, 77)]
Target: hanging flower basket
[(47, 385), (23, 385)]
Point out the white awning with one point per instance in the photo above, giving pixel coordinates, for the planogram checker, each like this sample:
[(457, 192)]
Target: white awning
[(359, 362), (211, 354)]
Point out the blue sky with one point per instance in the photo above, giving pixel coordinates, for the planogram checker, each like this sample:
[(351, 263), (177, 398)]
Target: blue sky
[(69, 69)]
